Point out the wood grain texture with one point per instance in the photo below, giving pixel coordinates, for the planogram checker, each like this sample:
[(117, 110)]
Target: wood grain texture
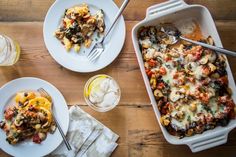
[(35, 10)]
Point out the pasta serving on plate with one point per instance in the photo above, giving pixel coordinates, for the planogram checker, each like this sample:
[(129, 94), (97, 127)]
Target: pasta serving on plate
[(78, 25), (28, 116)]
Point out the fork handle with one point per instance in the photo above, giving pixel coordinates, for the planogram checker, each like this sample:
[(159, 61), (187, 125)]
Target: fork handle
[(62, 133), (123, 6)]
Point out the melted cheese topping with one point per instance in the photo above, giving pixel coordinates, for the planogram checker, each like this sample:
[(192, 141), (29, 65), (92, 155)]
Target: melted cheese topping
[(183, 75)]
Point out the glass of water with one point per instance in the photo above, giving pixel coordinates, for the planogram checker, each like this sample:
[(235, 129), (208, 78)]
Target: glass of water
[(9, 51)]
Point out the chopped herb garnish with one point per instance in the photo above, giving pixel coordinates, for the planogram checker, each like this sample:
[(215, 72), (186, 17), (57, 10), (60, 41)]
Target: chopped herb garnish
[(168, 66), (189, 118), (222, 107), (37, 102), (178, 67), (98, 34), (207, 108), (202, 89), (168, 81)]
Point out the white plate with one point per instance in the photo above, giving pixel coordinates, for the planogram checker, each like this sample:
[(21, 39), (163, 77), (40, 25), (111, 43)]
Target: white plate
[(28, 148), (78, 61)]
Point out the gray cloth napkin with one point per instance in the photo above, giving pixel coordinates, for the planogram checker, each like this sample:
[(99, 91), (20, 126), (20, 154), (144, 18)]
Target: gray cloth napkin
[(87, 136)]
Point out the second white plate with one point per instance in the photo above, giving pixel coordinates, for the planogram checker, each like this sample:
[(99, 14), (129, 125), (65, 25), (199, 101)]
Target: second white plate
[(78, 61), (28, 148)]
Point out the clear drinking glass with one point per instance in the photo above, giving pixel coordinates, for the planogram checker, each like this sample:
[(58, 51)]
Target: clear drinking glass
[(94, 85), (9, 51)]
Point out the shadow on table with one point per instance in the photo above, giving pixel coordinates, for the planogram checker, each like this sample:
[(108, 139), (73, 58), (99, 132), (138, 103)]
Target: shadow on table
[(9, 73), (227, 150), (152, 144)]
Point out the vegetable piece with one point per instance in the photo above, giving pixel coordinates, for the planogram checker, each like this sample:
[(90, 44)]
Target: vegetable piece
[(37, 139), (158, 94), (163, 71), (9, 113), (77, 48), (160, 85), (42, 136), (165, 120), (193, 107), (152, 63)]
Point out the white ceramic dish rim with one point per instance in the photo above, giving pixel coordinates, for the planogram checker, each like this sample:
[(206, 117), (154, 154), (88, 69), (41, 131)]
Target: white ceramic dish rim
[(210, 138), (79, 63), (60, 107)]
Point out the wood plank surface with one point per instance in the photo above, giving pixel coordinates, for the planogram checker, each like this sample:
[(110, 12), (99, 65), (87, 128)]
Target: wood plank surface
[(133, 119), (35, 10)]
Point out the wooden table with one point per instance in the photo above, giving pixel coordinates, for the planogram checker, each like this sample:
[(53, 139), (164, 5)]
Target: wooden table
[(133, 119)]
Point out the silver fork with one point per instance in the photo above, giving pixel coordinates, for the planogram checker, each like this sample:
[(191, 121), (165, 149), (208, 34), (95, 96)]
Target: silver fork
[(98, 47), (44, 93)]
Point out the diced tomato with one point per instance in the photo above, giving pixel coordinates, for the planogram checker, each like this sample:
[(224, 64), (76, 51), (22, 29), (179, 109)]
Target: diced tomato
[(163, 110), (197, 51), (223, 99), (36, 139), (176, 75), (64, 24), (223, 80), (191, 79), (152, 63), (206, 70), (149, 72), (160, 85), (162, 71), (9, 113), (72, 21), (232, 114), (230, 104), (168, 59), (198, 55), (204, 97)]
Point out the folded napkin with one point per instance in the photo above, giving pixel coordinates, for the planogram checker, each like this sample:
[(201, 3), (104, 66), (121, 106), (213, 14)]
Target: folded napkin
[(87, 137)]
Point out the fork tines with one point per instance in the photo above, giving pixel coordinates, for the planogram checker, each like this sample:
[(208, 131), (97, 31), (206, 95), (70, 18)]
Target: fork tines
[(43, 92)]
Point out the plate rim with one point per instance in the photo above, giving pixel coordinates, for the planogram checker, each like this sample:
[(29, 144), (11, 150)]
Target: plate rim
[(59, 94), (81, 70)]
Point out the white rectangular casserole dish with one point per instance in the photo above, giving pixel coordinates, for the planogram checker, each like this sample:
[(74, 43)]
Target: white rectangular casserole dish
[(173, 11)]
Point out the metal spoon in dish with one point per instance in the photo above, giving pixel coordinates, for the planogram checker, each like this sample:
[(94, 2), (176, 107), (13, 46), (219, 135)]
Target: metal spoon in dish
[(175, 36)]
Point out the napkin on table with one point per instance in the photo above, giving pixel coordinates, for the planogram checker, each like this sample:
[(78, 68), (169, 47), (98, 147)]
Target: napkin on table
[(87, 137)]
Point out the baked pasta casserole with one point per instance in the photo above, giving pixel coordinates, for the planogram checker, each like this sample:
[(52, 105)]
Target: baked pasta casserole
[(189, 82), (28, 116)]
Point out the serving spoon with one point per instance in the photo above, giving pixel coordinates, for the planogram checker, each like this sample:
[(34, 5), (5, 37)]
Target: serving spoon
[(176, 36)]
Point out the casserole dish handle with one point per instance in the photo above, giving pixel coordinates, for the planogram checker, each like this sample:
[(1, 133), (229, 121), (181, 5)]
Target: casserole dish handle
[(164, 7), (210, 141)]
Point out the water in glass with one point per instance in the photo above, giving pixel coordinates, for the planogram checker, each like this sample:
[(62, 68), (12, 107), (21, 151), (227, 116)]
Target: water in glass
[(9, 51)]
